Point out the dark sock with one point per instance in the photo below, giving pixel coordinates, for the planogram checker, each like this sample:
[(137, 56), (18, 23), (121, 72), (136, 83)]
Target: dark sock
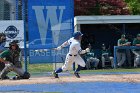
[(59, 70), (78, 68)]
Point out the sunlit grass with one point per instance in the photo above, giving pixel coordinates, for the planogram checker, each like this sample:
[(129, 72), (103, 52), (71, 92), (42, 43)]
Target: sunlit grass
[(49, 68)]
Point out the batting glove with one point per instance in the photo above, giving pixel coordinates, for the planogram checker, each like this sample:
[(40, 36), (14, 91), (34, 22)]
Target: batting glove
[(59, 48)]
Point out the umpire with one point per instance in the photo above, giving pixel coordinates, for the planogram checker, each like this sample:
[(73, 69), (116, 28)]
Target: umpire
[(11, 59)]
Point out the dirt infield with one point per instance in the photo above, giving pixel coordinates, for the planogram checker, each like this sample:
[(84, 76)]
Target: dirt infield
[(84, 78)]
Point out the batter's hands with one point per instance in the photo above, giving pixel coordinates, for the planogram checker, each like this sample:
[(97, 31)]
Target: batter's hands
[(58, 48)]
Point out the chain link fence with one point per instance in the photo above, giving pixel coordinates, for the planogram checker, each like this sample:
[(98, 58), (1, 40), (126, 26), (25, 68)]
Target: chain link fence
[(11, 10)]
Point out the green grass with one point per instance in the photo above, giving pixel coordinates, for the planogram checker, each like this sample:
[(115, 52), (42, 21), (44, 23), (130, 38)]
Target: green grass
[(33, 68), (113, 70), (36, 69), (40, 68)]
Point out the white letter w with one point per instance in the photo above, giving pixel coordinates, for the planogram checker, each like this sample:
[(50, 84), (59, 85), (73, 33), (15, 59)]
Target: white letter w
[(50, 16)]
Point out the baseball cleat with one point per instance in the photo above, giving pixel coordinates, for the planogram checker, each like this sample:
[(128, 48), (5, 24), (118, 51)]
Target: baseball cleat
[(17, 77), (55, 74), (77, 74)]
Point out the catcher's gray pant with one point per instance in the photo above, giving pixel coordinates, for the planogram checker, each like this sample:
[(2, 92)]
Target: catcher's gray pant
[(2, 65), (92, 60), (109, 59), (128, 56), (70, 59), (137, 58), (10, 67), (121, 57)]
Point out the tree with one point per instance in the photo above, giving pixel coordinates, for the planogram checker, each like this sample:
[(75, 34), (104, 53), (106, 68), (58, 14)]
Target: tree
[(134, 6), (83, 7), (100, 7)]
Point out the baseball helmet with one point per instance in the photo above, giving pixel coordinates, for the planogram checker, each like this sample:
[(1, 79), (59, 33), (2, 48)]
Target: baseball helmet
[(77, 34), (123, 36)]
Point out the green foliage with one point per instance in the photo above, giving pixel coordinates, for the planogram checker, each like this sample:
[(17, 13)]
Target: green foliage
[(100, 7), (134, 6)]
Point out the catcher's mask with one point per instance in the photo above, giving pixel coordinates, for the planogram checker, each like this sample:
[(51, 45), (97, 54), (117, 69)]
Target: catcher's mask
[(13, 43)]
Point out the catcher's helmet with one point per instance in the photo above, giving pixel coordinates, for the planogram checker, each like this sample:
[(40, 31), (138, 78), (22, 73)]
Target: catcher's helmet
[(77, 34), (13, 43)]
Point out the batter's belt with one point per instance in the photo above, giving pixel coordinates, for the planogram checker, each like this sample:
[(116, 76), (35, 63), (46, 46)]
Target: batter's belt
[(72, 55)]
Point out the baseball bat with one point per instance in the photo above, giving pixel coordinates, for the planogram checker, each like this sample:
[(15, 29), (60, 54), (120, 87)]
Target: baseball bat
[(41, 50)]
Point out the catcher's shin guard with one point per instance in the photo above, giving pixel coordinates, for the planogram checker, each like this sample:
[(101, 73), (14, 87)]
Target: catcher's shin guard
[(26, 75)]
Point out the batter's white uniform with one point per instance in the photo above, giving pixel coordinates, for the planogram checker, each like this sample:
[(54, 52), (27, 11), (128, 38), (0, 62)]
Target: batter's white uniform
[(73, 54)]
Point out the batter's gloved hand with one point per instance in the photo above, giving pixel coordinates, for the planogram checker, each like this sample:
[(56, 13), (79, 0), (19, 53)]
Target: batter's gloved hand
[(59, 48), (87, 50)]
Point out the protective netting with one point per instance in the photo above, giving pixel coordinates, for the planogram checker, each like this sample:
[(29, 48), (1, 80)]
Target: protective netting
[(11, 10)]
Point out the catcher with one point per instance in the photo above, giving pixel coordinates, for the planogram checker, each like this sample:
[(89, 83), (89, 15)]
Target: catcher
[(11, 59)]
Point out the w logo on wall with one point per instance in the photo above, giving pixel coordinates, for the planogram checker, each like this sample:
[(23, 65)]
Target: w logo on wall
[(14, 30), (50, 23)]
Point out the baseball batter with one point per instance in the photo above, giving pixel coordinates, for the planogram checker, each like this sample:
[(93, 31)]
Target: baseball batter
[(73, 55)]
